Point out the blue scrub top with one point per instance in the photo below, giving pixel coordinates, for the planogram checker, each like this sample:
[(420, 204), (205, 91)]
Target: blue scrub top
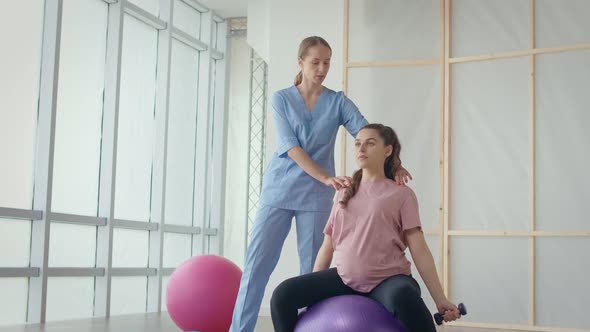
[(285, 184)]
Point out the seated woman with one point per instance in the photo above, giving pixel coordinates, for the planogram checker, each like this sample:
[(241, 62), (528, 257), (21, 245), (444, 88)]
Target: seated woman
[(371, 224)]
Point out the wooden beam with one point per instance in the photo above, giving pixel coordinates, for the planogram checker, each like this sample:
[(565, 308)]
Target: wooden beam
[(532, 197), (447, 145), (513, 327), (398, 63), (344, 84), (514, 54), (519, 233), (441, 162)]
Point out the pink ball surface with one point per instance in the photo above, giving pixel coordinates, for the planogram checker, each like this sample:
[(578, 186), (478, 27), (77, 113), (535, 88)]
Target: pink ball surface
[(202, 292)]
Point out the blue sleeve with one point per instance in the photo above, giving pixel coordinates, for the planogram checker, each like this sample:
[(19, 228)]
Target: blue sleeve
[(350, 116), (285, 135)]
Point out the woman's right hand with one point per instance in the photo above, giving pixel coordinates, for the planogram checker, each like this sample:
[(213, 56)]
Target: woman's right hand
[(448, 310), (338, 182)]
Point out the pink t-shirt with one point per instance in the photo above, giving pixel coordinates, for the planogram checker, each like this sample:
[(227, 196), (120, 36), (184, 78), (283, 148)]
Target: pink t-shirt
[(367, 235)]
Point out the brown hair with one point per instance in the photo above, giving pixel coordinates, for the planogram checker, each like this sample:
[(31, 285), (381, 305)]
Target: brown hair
[(304, 46), (390, 166)]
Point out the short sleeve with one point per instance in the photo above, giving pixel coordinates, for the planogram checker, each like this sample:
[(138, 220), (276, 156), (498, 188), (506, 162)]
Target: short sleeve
[(351, 117), (285, 135), (410, 217), (329, 225), (328, 230)]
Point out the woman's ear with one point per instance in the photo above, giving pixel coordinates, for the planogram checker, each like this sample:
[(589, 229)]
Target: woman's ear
[(300, 63), (388, 151)]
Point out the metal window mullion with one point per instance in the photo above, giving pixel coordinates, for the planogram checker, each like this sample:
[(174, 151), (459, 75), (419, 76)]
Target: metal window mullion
[(216, 54), (76, 219), (196, 6), (48, 87), (210, 232), (201, 182), (19, 272), (216, 222), (75, 272), (158, 202), (218, 19), (135, 225), (181, 229), (144, 16), (108, 158), (209, 33), (189, 40), (28, 215)]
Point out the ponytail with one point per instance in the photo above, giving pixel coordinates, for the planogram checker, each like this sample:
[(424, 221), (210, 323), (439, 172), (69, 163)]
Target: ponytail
[(298, 78), (393, 163), (351, 190)]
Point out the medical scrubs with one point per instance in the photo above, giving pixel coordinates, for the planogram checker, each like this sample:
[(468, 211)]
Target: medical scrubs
[(289, 192)]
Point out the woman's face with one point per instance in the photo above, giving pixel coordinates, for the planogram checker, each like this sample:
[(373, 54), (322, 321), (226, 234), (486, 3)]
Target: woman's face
[(370, 150), (315, 64)]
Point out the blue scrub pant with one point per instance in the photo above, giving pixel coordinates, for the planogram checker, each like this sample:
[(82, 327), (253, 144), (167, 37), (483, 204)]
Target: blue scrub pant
[(268, 235)]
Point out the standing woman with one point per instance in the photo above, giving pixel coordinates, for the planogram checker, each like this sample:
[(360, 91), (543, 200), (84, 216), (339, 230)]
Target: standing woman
[(300, 180)]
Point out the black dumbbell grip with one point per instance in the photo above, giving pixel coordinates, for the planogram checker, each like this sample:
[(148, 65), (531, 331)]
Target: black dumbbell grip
[(438, 318)]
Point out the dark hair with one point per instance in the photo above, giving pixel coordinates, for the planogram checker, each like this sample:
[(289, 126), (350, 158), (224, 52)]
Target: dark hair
[(390, 166), (304, 46)]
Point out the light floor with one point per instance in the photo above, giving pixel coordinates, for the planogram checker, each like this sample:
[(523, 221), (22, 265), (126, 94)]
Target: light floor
[(152, 322)]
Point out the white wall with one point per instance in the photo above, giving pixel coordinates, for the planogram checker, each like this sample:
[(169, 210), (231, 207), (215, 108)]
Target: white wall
[(237, 153), (259, 27)]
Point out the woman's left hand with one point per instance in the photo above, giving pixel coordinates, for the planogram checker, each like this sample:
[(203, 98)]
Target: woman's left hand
[(402, 176)]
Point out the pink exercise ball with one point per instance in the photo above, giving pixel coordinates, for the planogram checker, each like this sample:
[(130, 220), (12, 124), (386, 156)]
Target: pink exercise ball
[(202, 292)]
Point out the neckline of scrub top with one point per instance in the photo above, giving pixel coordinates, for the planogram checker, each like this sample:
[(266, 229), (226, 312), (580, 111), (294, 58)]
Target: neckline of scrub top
[(302, 100)]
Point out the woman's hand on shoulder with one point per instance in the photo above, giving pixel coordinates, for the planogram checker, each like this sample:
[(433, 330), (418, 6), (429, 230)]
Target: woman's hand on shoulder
[(402, 176), (338, 182)]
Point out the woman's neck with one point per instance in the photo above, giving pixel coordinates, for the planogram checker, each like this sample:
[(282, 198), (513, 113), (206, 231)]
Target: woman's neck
[(370, 175), (310, 89)]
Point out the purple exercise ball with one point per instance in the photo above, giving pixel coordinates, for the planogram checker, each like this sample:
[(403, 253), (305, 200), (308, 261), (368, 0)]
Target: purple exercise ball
[(348, 313)]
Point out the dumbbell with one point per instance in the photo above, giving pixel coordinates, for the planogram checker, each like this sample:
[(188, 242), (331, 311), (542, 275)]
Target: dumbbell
[(438, 318)]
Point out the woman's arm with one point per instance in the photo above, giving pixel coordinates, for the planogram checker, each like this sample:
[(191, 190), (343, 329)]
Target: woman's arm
[(314, 170), (288, 145), (425, 264), (324, 259)]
